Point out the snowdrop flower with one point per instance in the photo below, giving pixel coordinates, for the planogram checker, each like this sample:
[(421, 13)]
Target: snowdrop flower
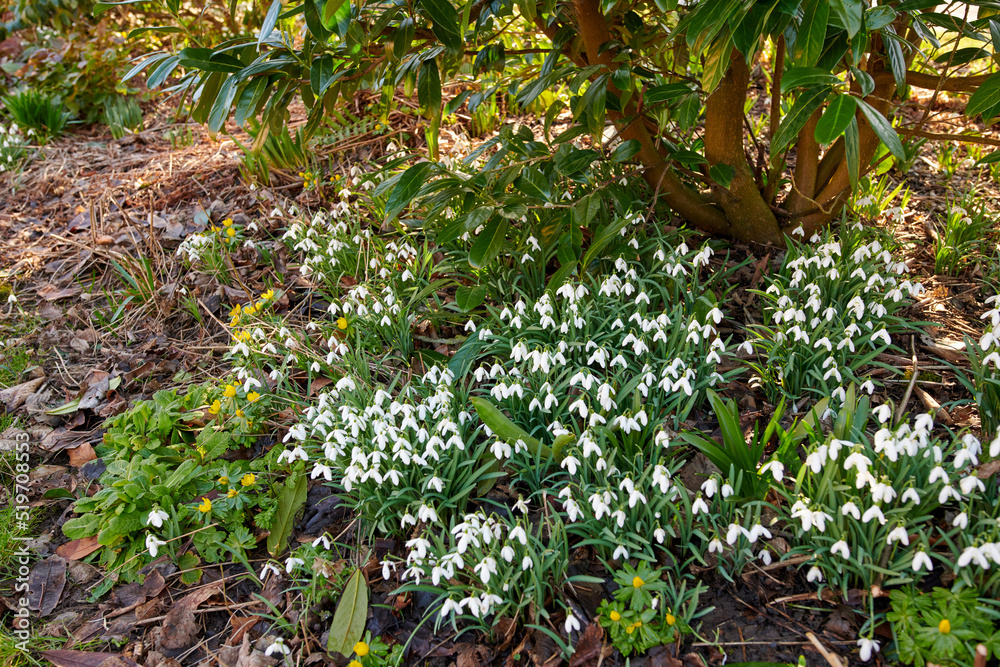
[(269, 568), (156, 518), (898, 534), (910, 495), (873, 512), (850, 508), (921, 559), (291, 562), (278, 647), (882, 413), (710, 486), (970, 555), (571, 623), (775, 467), (715, 546), (961, 521), (840, 547), (699, 506), (153, 544), (814, 575), (621, 553), (868, 647)]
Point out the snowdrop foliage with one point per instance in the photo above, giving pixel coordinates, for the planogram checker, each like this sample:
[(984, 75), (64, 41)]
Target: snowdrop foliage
[(828, 312)]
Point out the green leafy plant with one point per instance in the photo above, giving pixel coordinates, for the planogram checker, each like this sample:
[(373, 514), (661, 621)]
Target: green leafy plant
[(942, 627), (959, 243), (42, 114), (122, 115)]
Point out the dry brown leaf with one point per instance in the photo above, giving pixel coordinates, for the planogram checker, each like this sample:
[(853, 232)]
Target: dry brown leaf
[(14, 397), (78, 549), (65, 658), (179, 627), (52, 293), (251, 657), (81, 454), (988, 469), (587, 651), (45, 586), (472, 655)]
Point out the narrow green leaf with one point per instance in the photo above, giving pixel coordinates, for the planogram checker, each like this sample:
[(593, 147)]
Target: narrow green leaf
[(989, 159), (506, 430), (721, 174), (807, 103), (850, 13), (852, 153), (986, 97), (329, 12), (349, 620), (223, 102), (625, 151), (291, 498), (270, 20), (812, 33), (406, 189), (883, 128), (445, 22), (803, 77), (836, 118), (429, 88), (489, 243)]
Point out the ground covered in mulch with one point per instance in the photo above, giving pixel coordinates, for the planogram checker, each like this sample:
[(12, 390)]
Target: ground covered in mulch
[(94, 205)]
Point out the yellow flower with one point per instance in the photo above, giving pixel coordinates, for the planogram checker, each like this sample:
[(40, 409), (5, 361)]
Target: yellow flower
[(239, 413), (228, 222), (637, 624), (206, 505), (253, 396), (269, 294), (223, 480), (233, 493), (248, 479), (215, 407), (361, 649), (944, 627), (229, 391), (214, 228), (637, 582), (202, 451), (615, 616), (630, 629), (354, 663), (670, 619), (250, 310), (230, 232), (342, 323), (235, 312)]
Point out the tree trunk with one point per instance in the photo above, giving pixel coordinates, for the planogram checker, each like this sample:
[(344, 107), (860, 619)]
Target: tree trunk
[(749, 215)]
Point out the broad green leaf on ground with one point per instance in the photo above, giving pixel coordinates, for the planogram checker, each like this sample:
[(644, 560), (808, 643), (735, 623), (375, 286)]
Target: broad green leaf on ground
[(291, 498), (349, 620), (406, 189)]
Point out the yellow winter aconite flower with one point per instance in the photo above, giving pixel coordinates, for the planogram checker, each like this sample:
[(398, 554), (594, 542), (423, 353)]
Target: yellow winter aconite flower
[(228, 222), (230, 232), (223, 480), (630, 629), (361, 649), (253, 396), (615, 616), (206, 505), (354, 663), (637, 582), (268, 295), (215, 407), (232, 493), (229, 391), (944, 627), (248, 479), (341, 323), (670, 619), (249, 310)]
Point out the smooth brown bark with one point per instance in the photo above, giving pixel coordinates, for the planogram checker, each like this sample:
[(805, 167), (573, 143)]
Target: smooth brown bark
[(749, 215), (806, 168)]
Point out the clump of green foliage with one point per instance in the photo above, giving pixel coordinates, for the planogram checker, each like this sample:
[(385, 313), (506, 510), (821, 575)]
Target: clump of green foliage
[(122, 115), (166, 469), (42, 114), (941, 627)]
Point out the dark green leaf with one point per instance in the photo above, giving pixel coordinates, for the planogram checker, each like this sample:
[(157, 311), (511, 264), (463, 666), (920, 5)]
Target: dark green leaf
[(270, 20), (406, 189), (349, 620), (804, 107), (208, 60), (803, 77), (429, 88), (290, 499), (666, 93), (852, 152), (626, 150), (223, 102), (836, 118), (445, 22), (883, 128), (469, 297), (489, 243), (812, 33), (986, 97), (850, 13), (721, 174), (992, 158), (864, 80), (570, 160), (330, 12)]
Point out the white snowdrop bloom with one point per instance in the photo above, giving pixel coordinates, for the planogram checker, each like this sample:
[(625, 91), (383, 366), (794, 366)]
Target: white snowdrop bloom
[(291, 562), (426, 514), (571, 624), (972, 555), (699, 506), (775, 467), (733, 533), (277, 647), (570, 463), (322, 470), (715, 546), (156, 518), (961, 520), (727, 490), (898, 534), (869, 647), (435, 483), (922, 560), (910, 495), (269, 568), (507, 553), (710, 486), (971, 483), (873, 512), (659, 535), (814, 575), (621, 553), (765, 556), (323, 539), (948, 492), (840, 547), (153, 544), (526, 563), (938, 474)]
